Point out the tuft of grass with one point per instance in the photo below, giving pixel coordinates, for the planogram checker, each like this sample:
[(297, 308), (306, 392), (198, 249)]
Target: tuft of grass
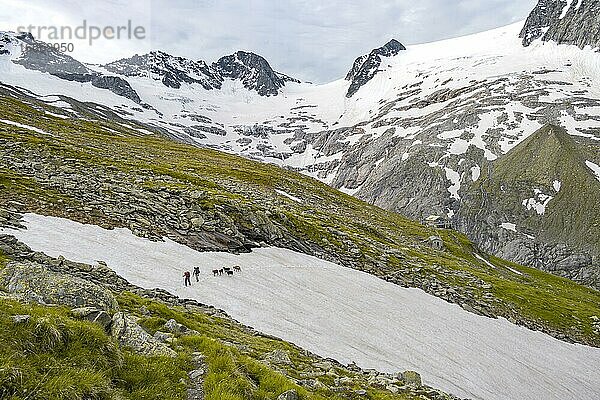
[(53, 356), (3, 259)]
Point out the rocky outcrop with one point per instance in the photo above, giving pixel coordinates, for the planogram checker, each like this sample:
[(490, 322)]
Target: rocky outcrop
[(366, 67), (288, 395), (117, 85), (95, 315), (32, 281), (574, 22), (196, 376), (125, 329)]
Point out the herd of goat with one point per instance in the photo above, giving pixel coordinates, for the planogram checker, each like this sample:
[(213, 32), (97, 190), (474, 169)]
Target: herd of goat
[(226, 270)]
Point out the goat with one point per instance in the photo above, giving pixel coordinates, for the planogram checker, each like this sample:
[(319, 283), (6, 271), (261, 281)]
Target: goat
[(229, 272), (237, 268), (215, 272), (221, 271)]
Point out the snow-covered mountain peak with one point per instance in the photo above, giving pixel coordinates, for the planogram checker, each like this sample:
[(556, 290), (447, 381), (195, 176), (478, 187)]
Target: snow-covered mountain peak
[(24, 49), (366, 66), (254, 72)]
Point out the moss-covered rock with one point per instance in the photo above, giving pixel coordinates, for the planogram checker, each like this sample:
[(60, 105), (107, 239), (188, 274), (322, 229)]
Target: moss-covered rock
[(34, 282)]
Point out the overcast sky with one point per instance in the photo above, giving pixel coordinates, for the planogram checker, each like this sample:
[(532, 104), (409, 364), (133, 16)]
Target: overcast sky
[(315, 40)]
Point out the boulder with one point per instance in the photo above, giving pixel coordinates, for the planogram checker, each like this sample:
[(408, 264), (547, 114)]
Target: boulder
[(288, 395), (412, 379), (129, 334), (277, 357), (197, 222), (34, 282), (164, 337), (176, 328), (21, 319)]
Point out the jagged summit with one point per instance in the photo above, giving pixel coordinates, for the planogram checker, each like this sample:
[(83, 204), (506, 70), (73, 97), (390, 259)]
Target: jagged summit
[(254, 72), (250, 68), (565, 22), (366, 66), (172, 71)]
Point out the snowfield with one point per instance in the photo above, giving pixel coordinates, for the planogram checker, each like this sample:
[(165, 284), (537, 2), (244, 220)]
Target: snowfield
[(343, 313)]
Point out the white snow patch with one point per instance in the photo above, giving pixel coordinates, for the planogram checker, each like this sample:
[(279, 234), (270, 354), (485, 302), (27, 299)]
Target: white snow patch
[(349, 191), (556, 185), (453, 177), (566, 9), (31, 128), (485, 261), (513, 270), (594, 167), (509, 226), (475, 173), (538, 202), (289, 196), (343, 313)]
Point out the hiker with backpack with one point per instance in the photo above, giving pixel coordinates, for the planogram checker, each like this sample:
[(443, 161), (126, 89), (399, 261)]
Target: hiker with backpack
[(186, 280), (197, 273)]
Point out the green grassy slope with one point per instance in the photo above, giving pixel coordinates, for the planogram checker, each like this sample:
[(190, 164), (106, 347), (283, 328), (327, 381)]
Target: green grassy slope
[(326, 222), (550, 154)]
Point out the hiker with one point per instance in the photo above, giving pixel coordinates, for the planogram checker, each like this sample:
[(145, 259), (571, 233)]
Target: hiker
[(197, 273), (187, 281)]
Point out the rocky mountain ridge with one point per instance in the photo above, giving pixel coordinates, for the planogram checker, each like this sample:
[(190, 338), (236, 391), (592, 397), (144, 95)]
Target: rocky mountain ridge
[(252, 70), (40, 56)]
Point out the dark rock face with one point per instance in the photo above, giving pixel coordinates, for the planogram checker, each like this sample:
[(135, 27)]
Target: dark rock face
[(116, 85), (254, 72), (366, 66), (574, 22)]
